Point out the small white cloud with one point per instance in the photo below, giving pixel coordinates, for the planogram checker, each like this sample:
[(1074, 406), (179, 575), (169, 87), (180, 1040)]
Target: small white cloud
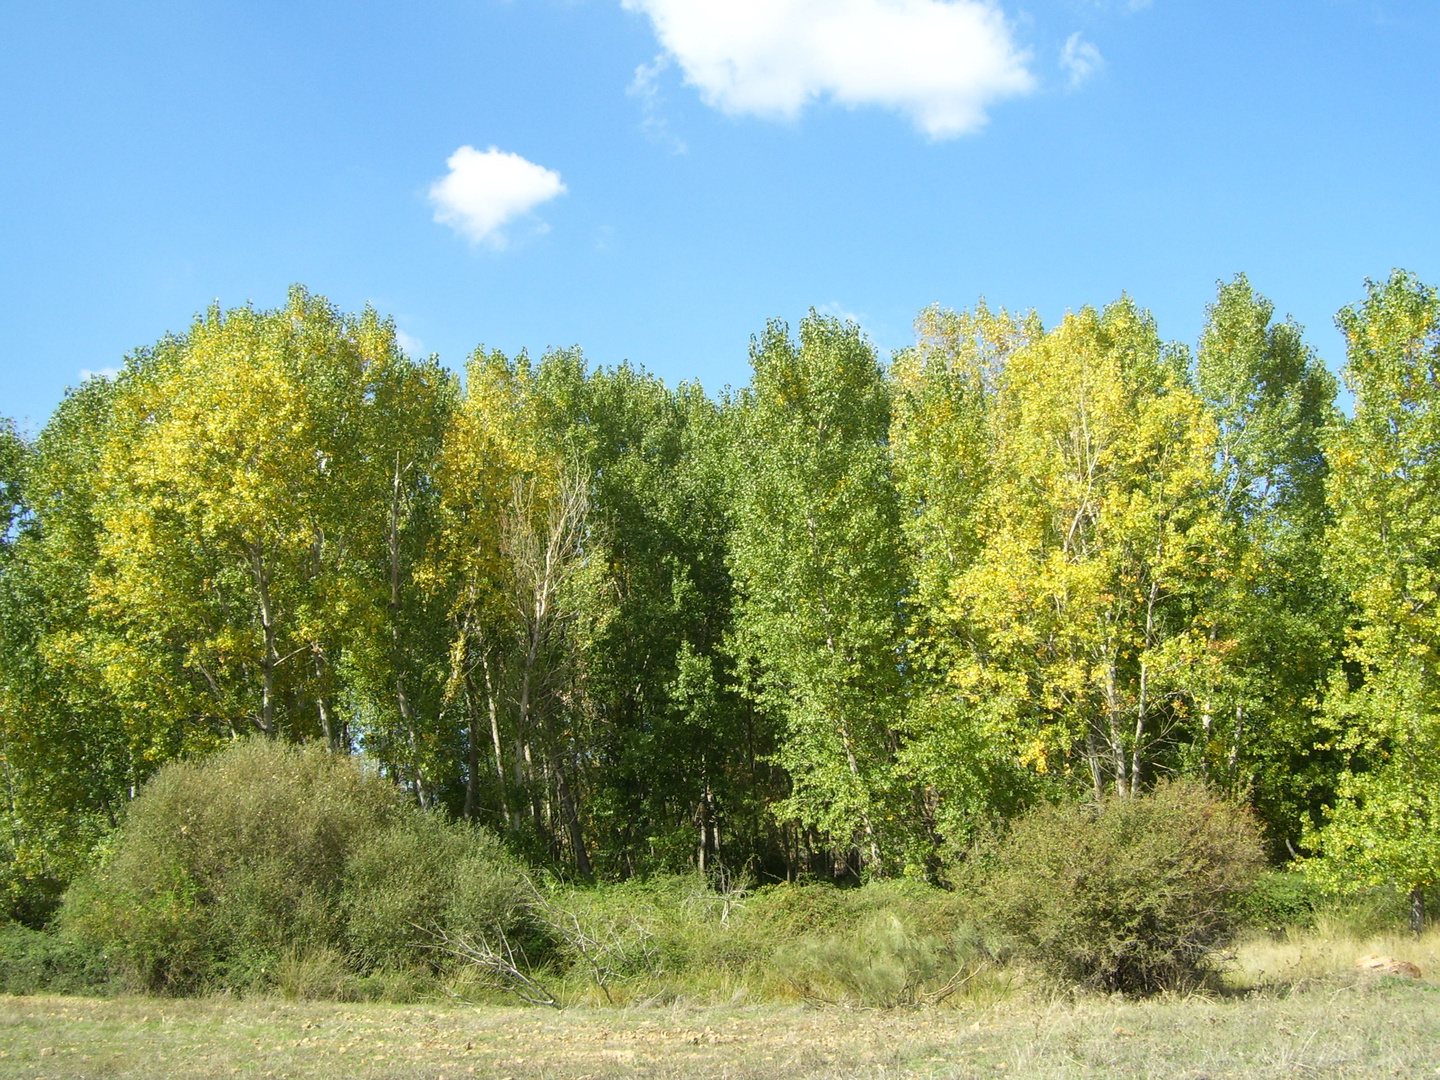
[(1080, 59), (841, 312), (941, 62), (410, 346), (483, 192), (645, 88), (106, 373)]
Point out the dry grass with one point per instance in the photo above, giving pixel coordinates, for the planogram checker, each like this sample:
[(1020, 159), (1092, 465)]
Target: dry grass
[(1347, 1028), (1299, 958)]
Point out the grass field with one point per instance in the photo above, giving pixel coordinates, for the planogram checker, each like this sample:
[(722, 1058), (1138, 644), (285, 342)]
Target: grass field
[(1344, 1028), (1295, 1008)]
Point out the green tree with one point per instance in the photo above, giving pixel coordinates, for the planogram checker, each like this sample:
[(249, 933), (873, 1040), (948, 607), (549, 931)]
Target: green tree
[(1384, 491), (680, 778), (816, 557), (516, 501), (71, 755), (1273, 616), (941, 440), (13, 452), (245, 502)]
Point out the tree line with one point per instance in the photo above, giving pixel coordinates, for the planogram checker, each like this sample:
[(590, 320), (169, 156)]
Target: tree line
[(833, 623)]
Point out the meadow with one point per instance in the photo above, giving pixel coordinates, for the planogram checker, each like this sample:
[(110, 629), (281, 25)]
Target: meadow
[(1290, 1005)]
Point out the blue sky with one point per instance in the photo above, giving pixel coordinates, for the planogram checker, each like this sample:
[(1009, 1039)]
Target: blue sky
[(707, 165)]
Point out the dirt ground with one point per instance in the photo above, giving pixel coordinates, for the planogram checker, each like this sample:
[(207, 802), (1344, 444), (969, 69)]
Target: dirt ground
[(1362, 1028)]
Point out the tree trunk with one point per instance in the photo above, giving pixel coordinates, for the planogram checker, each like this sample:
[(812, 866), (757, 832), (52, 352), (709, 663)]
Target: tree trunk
[(493, 706), (270, 659), (472, 759), (572, 820), (1232, 766), (1114, 716), (1417, 909)]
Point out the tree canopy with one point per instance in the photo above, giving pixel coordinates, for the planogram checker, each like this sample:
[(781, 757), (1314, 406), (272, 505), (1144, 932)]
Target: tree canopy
[(829, 624)]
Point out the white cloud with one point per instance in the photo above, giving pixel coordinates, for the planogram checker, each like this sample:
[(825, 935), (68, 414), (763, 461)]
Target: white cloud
[(1080, 59), (106, 373), (941, 62), (645, 88), (410, 346), (485, 191), (842, 313)]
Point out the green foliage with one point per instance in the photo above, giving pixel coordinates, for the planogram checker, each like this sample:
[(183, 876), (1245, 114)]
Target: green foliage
[(1123, 894), (13, 453), (888, 942), (830, 625), (1384, 708), (68, 754), (882, 962), (1274, 616), (1281, 899), (423, 873), (36, 961), (231, 867), (819, 573)]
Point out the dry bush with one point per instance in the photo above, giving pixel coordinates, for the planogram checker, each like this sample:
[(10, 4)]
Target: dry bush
[(1133, 895), (267, 865)]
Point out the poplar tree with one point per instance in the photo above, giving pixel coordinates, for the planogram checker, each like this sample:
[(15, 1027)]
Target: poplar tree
[(71, 755), (941, 442), (1075, 628), (1273, 617), (820, 579), (1384, 491)]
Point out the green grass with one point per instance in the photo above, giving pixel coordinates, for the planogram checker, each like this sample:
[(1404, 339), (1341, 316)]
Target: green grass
[(1345, 1027)]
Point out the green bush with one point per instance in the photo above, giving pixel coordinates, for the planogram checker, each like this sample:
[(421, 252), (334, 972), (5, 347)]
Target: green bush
[(882, 962), (423, 874), (263, 863), (35, 961), (1124, 894), (662, 938), (1283, 898)]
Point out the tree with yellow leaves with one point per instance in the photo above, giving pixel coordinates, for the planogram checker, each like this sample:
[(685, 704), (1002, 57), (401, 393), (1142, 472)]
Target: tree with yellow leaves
[(1073, 632), (244, 507)]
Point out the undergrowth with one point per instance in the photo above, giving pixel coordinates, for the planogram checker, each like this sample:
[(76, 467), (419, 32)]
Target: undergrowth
[(274, 871)]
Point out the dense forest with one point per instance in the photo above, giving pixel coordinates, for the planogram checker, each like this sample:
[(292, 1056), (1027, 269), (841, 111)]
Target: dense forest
[(834, 624)]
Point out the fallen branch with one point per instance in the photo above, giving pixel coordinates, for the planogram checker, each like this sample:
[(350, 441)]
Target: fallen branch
[(497, 962)]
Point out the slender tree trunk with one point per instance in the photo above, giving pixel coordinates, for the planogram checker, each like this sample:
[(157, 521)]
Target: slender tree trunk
[(572, 819), (1093, 755), (472, 748), (1115, 719), (1233, 764), (1136, 757), (270, 658), (397, 650), (492, 705), (327, 723), (1417, 909)]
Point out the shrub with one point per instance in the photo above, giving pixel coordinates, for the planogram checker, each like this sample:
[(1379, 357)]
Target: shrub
[(1132, 895), (1281, 899), (261, 865), (886, 943), (422, 874), (32, 961), (881, 962)]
